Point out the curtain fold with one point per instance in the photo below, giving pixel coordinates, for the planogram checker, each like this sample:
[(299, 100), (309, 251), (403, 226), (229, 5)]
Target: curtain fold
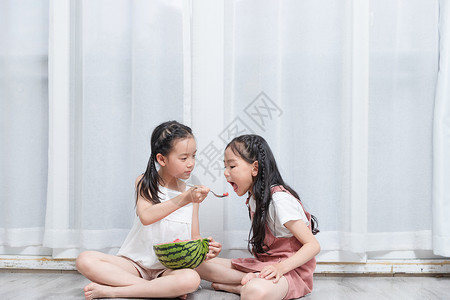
[(130, 64), (347, 110), (441, 140), (23, 122)]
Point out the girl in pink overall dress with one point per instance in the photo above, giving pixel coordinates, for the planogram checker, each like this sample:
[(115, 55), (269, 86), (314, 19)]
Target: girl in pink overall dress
[(300, 280), (282, 234)]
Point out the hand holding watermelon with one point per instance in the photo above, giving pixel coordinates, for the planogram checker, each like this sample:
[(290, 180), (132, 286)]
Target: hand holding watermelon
[(214, 248)]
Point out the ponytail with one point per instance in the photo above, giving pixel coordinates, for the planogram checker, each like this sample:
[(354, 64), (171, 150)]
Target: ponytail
[(162, 141)]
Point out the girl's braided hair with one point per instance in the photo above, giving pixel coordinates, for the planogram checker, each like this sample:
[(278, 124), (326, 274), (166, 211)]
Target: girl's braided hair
[(253, 148), (162, 141)]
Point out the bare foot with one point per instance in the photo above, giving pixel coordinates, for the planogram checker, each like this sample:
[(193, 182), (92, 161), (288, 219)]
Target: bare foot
[(231, 288), (248, 277), (94, 290)]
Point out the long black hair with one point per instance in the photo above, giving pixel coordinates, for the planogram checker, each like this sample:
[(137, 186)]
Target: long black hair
[(253, 148), (162, 141)]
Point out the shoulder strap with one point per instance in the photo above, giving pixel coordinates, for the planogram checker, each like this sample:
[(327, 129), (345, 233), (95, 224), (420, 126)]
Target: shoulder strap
[(280, 188)]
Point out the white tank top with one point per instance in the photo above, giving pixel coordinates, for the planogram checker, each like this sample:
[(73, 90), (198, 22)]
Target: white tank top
[(138, 246)]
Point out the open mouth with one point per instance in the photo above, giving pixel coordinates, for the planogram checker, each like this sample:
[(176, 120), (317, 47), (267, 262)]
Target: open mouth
[(234, 185)]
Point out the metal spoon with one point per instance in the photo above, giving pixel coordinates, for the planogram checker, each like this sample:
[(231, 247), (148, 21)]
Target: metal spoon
[(217, 195)]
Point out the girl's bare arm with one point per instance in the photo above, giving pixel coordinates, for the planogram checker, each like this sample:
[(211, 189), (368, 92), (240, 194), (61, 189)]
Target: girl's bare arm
[(195, 231), (150, 213), (309, 250), (214, 247)]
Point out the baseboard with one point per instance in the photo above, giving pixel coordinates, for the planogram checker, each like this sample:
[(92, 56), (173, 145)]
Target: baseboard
[(386, 267), (372, 267), (36, 263)]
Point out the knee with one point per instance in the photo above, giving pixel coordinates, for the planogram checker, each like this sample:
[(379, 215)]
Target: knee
[(253, 291), (85, 261), (191, 281)]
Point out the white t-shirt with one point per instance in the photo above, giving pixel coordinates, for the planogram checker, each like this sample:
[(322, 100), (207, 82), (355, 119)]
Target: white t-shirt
[(283, 208), (138, 246)]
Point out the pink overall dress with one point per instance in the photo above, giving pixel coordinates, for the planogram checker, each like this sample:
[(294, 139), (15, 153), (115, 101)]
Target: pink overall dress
[(300, 280)]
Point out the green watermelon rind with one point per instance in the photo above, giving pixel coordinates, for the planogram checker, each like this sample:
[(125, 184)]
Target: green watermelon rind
[(182, 255)]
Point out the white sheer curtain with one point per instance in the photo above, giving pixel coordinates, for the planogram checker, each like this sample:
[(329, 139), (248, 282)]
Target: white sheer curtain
[(131, 77), (23, 122), (350, 91), (351, 95), (116, 69), (441, 141)]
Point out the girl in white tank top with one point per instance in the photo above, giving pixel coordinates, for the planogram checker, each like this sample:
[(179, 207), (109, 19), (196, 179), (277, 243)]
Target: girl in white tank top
[(165, 210)]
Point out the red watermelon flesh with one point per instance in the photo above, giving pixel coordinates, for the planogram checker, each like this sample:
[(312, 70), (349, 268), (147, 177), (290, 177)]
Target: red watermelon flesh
[(175, 241)]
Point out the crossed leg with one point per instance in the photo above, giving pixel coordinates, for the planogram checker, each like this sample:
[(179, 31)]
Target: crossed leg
[(114, 276), (260, 289), (222, 274), (225, 277)]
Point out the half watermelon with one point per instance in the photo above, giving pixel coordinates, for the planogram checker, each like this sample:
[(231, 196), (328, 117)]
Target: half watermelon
[(182, 254)]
